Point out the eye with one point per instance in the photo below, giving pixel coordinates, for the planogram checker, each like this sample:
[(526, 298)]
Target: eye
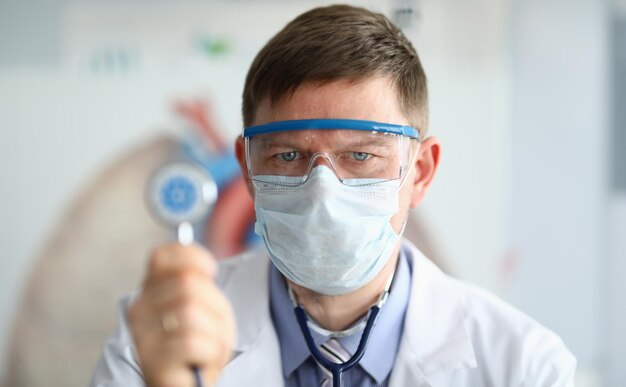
[(360, 156), (288, 156)]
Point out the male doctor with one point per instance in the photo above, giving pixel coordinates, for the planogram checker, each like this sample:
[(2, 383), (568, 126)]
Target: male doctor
[(336, 153)]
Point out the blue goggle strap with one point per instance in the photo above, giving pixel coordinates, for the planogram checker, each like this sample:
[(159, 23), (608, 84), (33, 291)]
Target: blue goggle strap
[(370, 126)]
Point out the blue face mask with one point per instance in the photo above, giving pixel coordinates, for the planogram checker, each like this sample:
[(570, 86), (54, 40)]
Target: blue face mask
[(327, 236)]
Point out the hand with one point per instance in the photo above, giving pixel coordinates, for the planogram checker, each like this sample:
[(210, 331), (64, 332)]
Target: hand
[(181, 319)]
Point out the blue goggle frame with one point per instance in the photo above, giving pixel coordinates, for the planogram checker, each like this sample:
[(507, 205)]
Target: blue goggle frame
[(330, 124)]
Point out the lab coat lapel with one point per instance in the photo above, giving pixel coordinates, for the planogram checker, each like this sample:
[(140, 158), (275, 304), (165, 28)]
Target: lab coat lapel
[(434, 339), (256, 358)]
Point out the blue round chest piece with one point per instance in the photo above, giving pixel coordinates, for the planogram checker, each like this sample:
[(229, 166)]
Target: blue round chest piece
[(179, 194)]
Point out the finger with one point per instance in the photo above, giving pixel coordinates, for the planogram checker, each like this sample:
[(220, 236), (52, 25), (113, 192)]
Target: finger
[(176, 257), (199, 307), (198, 341), (201, 331), (189, 320), (168, 374), (206, 350), (182, 289), (210, 351)]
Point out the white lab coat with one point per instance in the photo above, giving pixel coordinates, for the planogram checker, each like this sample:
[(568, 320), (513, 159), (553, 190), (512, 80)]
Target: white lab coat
[(455, 334)]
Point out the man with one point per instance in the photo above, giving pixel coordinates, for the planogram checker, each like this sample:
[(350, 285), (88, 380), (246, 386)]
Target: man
[(335, 154)]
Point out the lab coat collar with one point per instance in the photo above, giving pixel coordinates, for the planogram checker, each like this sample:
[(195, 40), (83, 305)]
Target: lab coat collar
[(245, 281), (435, 338)]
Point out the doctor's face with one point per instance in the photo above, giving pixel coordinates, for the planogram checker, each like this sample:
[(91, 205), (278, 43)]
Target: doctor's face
[(373, 99)]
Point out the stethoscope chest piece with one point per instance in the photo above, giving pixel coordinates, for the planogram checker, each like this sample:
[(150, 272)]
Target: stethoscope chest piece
[(181, 193)]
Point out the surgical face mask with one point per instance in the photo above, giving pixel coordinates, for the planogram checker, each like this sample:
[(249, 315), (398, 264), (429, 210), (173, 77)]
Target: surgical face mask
[(327, 236)]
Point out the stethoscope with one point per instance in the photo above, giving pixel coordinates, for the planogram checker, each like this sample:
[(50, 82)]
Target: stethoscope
[(337, 369), (179, 195)]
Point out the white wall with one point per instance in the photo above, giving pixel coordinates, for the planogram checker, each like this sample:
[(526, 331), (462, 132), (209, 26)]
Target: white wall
[(560, 169), (616, 319), (11, 265), (464, 48)]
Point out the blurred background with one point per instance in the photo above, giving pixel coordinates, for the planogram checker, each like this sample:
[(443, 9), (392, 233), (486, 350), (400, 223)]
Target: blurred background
[(527, 96)]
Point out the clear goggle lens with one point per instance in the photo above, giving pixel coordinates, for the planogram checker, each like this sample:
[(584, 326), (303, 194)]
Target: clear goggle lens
[(357, 157)]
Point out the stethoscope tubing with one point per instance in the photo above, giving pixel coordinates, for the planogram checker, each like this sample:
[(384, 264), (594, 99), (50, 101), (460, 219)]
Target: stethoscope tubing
[(196, 375), (336, 369)]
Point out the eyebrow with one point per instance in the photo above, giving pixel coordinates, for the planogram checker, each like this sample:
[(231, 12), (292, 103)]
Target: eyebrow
[(280, 144), (384, 142)]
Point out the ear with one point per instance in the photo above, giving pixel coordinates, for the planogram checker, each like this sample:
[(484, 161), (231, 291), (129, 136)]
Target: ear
[(240, 153), (426, 164)]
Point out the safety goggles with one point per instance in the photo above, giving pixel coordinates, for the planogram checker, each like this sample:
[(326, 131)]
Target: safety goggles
[(359, 152)]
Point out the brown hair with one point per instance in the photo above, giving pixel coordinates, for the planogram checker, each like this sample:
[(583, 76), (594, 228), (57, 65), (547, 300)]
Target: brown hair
[(337, 42)]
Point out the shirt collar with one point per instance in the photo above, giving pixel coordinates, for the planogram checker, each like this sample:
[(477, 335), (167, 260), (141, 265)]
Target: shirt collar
[(385, 337), (293, 349)]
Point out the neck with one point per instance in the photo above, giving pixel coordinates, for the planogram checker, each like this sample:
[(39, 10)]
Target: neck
[(337, 313)]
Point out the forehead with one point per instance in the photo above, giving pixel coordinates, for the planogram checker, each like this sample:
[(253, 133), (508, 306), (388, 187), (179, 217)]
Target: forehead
[(325, 139), (372, 99)]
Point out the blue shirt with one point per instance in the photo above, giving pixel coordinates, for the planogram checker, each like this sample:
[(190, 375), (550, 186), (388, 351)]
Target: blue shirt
[(300, 369)]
